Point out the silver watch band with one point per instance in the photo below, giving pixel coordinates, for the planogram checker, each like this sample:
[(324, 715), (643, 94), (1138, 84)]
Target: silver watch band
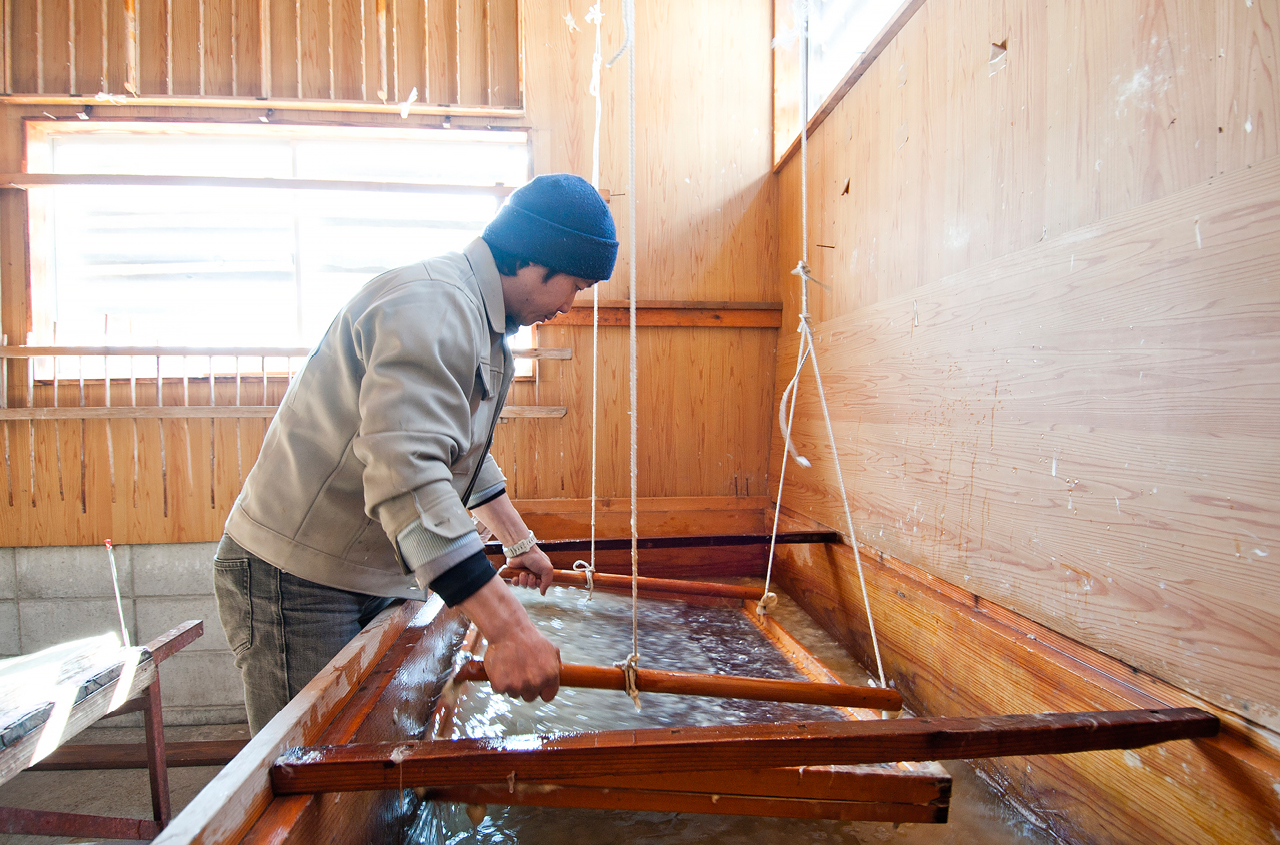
[(517, 549)]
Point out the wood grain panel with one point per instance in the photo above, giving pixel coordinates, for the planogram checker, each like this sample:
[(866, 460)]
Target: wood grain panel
[(1248, 83), (951, 652), (1082, 432), (188, 31), (503, 22), (153, 48), (348, 57), (473, 64), (411, 33), (219, 34), (442, 51), (316, 58), (286, 58), (55, 45)]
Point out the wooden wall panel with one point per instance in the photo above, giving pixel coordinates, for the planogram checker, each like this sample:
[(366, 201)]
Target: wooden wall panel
[(503, 19), (473, 64), (348, 52), (953, 653), (1051, 334), (187, 33), (219, 47), (442, 51), (1248, 80), (411, 56)]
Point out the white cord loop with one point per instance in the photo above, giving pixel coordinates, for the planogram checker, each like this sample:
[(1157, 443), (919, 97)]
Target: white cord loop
[(589, 569), (628, 668)]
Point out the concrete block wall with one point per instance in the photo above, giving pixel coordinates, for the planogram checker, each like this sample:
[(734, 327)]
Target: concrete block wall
[(54, 594)]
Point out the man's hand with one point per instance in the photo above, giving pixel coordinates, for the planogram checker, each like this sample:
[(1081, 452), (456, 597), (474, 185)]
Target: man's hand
[(520, 661), (524, 665), (531, 569)]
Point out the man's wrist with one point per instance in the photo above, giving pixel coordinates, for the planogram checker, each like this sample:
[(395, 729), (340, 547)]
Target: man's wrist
[(518, 548)]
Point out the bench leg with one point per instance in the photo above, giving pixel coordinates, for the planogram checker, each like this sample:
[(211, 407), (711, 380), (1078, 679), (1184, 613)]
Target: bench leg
[(157, 766)]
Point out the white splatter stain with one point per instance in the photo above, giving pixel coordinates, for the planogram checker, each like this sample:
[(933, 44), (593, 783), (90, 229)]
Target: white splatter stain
[(570, 22), (1142, 90), (1133, 759), (1248, 123), (1199, 243)]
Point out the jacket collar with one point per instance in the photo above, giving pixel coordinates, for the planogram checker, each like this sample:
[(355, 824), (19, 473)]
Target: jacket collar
[(489, 282)]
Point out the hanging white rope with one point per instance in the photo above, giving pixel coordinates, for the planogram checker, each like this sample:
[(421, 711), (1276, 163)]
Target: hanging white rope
[(595, 16), (629, 21), (808, 350)]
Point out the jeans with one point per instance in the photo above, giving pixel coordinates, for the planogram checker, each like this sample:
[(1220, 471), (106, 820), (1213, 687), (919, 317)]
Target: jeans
[(282, 629)]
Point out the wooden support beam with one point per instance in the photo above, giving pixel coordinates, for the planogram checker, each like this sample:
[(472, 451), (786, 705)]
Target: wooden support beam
[(49, 823), (513, 412), (125, 755), (40, 180), (669, 801), (684, 542), (539, 758), (759, 315), (716, 686), (280, 104), (657, 586)]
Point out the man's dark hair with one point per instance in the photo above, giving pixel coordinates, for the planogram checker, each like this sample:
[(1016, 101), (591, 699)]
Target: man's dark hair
[(509, 263)]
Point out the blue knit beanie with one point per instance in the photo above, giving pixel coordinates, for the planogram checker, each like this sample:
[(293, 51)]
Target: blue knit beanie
[(559, 221)]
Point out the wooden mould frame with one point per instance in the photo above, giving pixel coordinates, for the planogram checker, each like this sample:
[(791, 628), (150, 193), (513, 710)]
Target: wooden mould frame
[(341, 757)]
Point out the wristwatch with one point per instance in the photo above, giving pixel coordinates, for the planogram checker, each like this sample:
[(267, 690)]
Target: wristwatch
[(517, 549)]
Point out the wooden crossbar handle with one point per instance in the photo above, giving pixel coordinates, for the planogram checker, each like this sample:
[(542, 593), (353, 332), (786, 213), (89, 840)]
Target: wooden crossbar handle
[(718, 686), (573, 578)]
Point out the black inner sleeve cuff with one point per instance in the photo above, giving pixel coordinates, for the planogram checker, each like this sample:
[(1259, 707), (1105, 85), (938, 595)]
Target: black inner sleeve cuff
[(487, 499), (462, 580)]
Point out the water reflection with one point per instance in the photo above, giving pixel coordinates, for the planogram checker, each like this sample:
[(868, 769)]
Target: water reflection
[(679, 637)]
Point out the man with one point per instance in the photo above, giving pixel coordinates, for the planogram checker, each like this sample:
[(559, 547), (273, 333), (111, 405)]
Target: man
[(380, 447)]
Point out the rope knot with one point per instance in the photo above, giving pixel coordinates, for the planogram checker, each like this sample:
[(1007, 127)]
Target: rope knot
[(589, 569), (767, 603), (628, 668)]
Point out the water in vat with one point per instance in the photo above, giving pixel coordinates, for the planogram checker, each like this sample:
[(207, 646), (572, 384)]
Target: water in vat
[(680, 637)]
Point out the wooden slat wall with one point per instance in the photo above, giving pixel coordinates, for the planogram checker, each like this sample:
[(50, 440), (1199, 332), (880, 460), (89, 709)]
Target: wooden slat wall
[(1052, 342), (316, 49), (706, 216)]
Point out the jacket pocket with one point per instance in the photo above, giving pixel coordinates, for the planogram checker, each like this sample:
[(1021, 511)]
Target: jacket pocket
[(231, 586)]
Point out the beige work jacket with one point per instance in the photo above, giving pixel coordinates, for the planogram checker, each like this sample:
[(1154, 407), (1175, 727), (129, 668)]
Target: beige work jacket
[(390, 420)]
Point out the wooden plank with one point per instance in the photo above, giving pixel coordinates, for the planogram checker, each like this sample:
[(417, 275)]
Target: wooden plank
[(675, 316), (142, 413), (218, 752), (951, 652), (1120, 443), (511, 412), (32, 180), (695, 541), (655, 586), (348, 59), (69, 718), (279, 103), (718, 686), (15, 820), (442, 51), (186, 57), (503, 20), (819, 783), (240, 793), (361, 767), (394, 701), (668, 801), (473, 53)]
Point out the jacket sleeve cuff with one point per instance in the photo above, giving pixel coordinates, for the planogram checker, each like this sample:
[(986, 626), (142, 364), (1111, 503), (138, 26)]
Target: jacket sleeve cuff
[(462, 580), (428, 554), (484, 497)]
